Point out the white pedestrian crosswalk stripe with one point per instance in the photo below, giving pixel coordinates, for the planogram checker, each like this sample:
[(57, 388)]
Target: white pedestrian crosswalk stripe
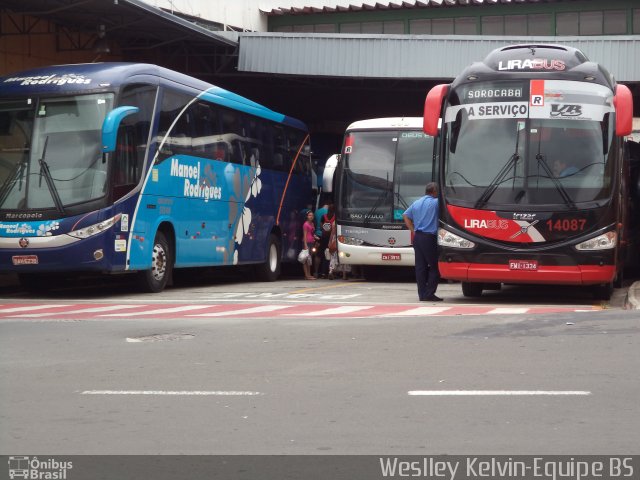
[(508, 310), (419, 311), (242, 311), (60, 312), (158, 311), (108, 308), (31, 307), (334, 311)]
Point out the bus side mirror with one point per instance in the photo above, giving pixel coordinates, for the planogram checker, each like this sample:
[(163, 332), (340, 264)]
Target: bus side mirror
[(111, 124), (432, 109), (623, 103), (329, 172)]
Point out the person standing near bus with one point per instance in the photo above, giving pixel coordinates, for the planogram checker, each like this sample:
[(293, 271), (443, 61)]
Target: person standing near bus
[(326, 224), (308, 240), (421, 218), (318, 258)]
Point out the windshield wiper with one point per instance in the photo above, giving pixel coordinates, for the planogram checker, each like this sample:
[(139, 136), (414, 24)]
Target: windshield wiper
[(44, 169), (17, 174), (402, 202), (383, 195), (495, 183), (563, 192), (500, 177)]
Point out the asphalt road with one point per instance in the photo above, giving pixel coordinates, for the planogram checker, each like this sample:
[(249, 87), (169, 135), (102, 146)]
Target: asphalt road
[(496, 383)]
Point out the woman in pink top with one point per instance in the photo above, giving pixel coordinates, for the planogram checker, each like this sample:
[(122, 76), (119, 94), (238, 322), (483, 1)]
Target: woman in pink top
[(308, 239)]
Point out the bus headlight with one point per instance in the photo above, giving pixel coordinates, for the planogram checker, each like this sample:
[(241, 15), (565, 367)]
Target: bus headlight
[(448, 239), (350, 240), (606, 241), (92, 230)]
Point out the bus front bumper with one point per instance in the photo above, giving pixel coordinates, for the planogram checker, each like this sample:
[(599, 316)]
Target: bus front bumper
[(544, 274), (56, 254), (360, 255)]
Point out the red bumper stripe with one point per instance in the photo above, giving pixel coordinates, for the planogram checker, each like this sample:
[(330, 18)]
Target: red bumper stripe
[(553, 275)]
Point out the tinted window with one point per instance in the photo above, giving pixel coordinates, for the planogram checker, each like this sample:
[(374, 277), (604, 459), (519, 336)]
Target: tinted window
[(133, 136), (177, 139)]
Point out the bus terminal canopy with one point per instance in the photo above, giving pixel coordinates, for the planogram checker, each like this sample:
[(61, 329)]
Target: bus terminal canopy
[(410, 56), (136, 24)]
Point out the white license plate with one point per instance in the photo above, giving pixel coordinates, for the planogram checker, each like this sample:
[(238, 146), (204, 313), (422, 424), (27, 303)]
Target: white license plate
[(25, 259), (391, 256), (523, 265)]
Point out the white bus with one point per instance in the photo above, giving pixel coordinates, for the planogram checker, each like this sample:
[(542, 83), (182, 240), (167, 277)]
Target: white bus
[(384, 166)]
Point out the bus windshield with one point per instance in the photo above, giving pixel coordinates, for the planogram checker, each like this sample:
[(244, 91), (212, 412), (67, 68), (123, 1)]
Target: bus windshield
[(501, 148), (384, 172), (50, 151)]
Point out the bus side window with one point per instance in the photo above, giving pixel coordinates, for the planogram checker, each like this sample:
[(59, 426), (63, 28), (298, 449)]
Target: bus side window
[(133, 137), (266, 144), (233, 134), (206, 131), (295, 140), (281, 157), (181, 137), (253, 139), (178, 139)]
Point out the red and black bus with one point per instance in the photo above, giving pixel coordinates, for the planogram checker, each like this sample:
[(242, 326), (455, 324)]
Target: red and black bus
[(533, 168)]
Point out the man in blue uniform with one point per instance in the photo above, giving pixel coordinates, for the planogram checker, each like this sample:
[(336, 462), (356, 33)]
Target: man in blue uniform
[(421, 218)]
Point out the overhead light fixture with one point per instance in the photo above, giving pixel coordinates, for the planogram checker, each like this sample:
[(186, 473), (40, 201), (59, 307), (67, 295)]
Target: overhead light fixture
[(101, 45)]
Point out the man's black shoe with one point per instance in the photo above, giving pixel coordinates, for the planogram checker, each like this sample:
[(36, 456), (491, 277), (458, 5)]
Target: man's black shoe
[(432, 298)]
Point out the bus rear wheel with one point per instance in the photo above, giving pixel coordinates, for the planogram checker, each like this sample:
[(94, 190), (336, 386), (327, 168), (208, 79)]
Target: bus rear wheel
[(155, 279), (269, 271), (472, 290)]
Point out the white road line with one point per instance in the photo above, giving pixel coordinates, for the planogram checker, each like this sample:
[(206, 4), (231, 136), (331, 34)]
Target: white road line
[(419, 311), (445, 393), (242, 311), (332, 311), (508, 310), (109, 308), (170, 392), (31, 307), (158, 311)]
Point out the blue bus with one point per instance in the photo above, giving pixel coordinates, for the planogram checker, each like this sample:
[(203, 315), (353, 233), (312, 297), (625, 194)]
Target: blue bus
[(127, 167)]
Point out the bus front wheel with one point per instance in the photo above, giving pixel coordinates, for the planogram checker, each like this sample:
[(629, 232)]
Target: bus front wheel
[(155, 279), (269, 271), (471, 289)]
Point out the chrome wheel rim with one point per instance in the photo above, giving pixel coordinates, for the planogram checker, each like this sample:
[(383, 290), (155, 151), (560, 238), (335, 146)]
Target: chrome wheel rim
[(158, 262), (273, 257)]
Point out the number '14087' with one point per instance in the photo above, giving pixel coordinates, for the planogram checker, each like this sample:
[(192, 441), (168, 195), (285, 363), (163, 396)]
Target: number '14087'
[(566, 225)]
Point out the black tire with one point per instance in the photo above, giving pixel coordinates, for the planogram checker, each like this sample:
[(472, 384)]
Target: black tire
[(269, 271), (155, 279), (603, 291), (472, 290)]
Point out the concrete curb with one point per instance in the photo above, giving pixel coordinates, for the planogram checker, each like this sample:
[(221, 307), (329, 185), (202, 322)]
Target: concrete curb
[(632, 301)]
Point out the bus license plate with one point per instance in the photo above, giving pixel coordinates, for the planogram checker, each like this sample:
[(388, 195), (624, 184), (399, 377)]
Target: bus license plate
[(523, 265), (391, 256), (25, 259)]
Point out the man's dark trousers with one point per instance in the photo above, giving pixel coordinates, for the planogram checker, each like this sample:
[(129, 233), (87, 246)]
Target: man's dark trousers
[(425, 246)]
